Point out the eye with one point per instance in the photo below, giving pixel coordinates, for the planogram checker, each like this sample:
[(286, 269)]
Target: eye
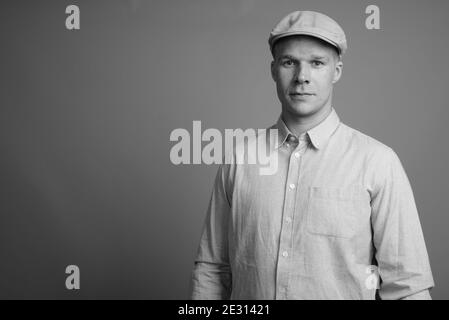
[(288, 63), (317, 63)]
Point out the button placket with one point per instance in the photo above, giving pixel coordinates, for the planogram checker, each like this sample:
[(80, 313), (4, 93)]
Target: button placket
[(286, 237)]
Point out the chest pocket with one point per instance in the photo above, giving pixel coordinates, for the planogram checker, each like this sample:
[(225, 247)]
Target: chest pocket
[(333, 211)]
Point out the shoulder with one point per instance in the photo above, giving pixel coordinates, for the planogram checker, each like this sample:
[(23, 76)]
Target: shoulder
[(369, 146), (380, 162)]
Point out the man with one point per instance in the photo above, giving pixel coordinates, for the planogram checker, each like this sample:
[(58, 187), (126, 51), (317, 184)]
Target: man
[(338, 211)]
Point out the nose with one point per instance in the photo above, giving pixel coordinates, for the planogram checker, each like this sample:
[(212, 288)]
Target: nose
[(302, 74)]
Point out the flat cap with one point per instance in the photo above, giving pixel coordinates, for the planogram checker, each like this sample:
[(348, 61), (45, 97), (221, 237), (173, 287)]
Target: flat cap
[(310, 23)]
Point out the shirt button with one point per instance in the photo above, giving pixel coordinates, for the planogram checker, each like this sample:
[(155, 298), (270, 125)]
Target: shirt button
[(288, 219), (287, 145), (292, 138), (297, 154), (285, 254), (292, 186)]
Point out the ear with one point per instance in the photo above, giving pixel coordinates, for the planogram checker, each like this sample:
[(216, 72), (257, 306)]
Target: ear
[(273, 71), (338, 71)]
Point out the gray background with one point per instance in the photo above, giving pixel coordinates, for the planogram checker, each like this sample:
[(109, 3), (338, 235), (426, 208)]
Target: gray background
[(85, 174)]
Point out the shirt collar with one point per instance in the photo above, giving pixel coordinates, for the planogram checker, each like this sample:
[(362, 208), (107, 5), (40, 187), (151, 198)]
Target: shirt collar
[(318, 135)]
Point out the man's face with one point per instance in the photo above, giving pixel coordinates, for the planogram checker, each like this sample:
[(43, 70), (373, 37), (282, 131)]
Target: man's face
[(305, 70)]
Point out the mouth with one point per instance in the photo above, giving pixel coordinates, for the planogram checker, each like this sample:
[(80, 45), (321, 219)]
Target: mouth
[(301, 95)]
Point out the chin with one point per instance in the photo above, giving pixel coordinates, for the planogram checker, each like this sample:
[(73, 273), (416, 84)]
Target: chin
[(302, 109)]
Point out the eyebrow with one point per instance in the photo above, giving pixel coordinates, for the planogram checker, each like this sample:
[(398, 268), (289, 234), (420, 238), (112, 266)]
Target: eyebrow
[(287, 56), (319, 58), (313, 57)]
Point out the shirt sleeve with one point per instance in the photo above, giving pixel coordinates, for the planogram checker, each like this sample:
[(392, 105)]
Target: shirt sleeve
[(422, 295), (401, 254), (211, 276)]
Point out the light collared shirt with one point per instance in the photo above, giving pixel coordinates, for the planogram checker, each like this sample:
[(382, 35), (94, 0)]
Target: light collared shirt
[(337, 220)]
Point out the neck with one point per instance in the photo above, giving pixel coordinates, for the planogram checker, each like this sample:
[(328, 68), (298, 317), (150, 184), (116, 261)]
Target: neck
[(299, 124)]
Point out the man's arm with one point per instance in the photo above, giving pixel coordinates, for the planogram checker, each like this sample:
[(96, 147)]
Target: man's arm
[(211, 277), (400, 248)]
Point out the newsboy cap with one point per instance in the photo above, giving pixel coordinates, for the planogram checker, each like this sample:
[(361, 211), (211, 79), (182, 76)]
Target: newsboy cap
[(309, 23)]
